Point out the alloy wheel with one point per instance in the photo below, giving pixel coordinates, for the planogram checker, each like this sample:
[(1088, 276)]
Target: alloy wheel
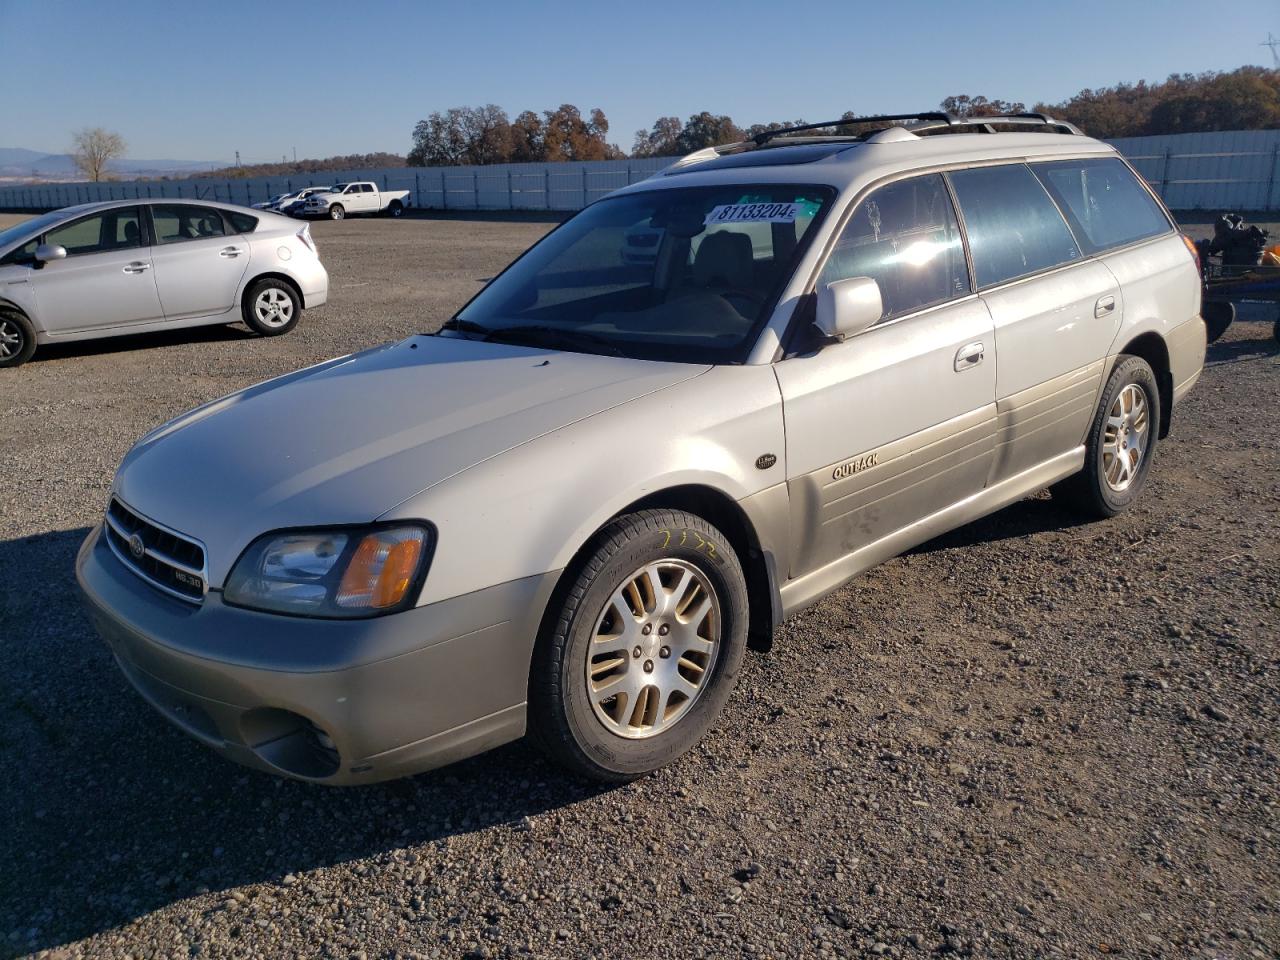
[(653, 649), (11, 339), (1125, 441), (273, 308)]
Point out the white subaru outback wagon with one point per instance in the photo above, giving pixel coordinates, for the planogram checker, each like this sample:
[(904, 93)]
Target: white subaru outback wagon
[(567, 511)]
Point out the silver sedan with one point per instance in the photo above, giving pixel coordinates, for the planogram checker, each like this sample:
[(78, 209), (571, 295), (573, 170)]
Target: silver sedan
[(133, 266)]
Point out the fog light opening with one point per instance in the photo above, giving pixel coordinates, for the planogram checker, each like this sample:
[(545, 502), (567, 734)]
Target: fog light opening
[(291, 743)]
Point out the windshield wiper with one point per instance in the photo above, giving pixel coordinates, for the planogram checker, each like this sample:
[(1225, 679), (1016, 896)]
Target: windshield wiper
[(539, 335)]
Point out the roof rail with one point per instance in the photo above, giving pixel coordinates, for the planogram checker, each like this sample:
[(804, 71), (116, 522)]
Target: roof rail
[(760, 139), (986, 124)]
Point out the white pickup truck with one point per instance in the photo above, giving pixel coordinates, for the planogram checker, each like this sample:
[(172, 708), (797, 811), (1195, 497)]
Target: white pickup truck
[(359, 197)]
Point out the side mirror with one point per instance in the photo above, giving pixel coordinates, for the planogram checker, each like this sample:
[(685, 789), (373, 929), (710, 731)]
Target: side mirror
[(847, 307), (49, 251)]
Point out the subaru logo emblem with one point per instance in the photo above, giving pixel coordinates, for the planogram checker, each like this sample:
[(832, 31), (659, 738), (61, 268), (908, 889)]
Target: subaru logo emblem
[(137, 547)]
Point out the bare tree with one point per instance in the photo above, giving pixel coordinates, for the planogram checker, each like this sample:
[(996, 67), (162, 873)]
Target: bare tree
[(94, 149)]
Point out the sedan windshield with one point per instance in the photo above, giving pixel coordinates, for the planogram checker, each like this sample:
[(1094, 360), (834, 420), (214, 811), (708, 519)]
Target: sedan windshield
[(30, 227), (688, 274)]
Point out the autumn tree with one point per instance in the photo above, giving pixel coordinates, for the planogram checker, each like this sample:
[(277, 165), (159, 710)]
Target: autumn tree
[(526, 138), (660, 141), (966, 106), (567, 136), (482, 135), (707, 130), (93, 149)]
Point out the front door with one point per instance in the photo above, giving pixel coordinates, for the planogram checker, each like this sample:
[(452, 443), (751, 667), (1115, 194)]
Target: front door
[(898, 422), (106, 279), (198, 261)]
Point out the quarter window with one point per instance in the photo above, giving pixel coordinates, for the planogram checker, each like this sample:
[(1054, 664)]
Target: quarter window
[(1014, 228), (1107, 206), (112, 230), (906, 238), (176, 223), (242, 222)]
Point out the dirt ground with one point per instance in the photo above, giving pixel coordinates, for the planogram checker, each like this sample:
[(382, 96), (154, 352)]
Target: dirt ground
[(1031, 737)]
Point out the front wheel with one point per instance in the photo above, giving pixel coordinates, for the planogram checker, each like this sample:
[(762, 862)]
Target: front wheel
[(337, 212), (645, 648), (1121, 443), (271, 307), (17, 339)]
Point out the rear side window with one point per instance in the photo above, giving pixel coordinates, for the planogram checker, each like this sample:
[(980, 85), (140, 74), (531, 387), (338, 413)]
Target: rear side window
[(1107, 206), (241, 222), (906, 238), (1014, 228), (176, 223)]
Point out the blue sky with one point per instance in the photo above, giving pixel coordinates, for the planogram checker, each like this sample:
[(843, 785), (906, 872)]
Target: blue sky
[(200, 81)]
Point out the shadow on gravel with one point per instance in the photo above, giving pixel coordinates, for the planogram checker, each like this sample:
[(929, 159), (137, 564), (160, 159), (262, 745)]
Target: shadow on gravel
[(110, 814), (1017, 520), (217, 333), (1242, 351)]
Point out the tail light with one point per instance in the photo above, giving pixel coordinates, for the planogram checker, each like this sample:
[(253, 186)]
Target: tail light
[(305, 236), (1195, 253)]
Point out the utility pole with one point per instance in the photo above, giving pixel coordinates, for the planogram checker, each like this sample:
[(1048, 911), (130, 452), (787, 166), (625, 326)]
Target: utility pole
[(237, 158), (295, 154), (1273, 43)]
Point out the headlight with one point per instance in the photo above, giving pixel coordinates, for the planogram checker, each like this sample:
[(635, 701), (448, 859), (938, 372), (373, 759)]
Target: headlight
[(354, 572)]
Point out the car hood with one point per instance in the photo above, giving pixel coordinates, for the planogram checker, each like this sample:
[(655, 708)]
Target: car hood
[(347, 440)]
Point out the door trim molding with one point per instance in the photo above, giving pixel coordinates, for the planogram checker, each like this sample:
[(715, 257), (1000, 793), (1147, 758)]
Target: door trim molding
[(803, 591)]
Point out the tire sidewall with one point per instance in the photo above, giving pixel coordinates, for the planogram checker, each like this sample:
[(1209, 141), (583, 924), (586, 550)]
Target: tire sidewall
[(1129, 370), (28, 347), (251, 298), (396, 208), (696, 543)]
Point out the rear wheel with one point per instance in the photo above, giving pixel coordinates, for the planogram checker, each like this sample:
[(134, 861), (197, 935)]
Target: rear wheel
[(645, 649), (1121, 443), (395, 209), (271, 307), (337, 212), (17, 339)]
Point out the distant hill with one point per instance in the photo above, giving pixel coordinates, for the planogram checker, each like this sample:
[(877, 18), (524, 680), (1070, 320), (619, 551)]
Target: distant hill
[(21, 162)]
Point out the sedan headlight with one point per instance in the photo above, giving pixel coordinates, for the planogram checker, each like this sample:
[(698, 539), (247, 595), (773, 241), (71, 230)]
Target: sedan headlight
[(352, 572)]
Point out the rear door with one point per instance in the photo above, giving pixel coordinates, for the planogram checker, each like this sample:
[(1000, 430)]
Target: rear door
[(367, 198), (898, 422), (1055, 313), (105, 281), (198, 260)]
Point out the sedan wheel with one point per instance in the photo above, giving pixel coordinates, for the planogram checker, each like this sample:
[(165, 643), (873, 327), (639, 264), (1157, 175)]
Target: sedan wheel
[(654, 648), (17, 340), (271, 307)]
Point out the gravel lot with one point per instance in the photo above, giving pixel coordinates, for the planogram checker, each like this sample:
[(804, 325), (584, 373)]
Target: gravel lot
[(1028, 738)]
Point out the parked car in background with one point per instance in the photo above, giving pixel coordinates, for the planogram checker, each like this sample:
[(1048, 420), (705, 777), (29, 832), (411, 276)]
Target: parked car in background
[(273, 203), (104, 269), (359, 197), (565, 512), (292, 204)]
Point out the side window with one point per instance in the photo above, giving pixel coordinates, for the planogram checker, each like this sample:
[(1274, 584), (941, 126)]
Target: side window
[(1014, 228), (366, 188), (176, 222), (1107, 206), (905, 237), (112, 230), (241, 222)]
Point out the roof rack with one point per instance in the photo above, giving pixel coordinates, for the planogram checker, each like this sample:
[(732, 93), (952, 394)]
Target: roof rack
[(928, 123)]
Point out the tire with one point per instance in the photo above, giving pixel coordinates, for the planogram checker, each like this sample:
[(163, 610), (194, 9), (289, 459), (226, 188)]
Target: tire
[(395, 208), (1218, 316), (17, 339), (337, 211), (619, 738), (1104, 487), (271, 307)]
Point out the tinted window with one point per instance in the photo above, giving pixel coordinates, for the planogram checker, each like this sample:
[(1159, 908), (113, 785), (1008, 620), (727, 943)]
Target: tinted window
[(1014, 228), (242, 222), (1107, 205), (23, 254), (906, 238), (176, 223), (113, 230), (685, 274)]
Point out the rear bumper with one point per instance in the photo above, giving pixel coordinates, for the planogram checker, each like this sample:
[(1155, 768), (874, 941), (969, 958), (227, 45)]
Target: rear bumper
[(336, 702)]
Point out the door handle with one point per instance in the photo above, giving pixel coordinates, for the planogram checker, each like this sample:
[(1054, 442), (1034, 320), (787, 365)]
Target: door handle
[(136, 267), (229, 252), (1104, 306), (969, 356)]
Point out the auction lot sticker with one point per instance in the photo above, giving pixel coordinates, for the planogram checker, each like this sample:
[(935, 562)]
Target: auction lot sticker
[(753, 213)]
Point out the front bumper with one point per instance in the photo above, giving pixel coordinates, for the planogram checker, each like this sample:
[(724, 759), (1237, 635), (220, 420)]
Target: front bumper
[(331, 701)]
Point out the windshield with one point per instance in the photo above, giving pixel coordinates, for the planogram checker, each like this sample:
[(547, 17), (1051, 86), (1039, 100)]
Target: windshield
[(686, 274), (28, 227), (338, 188)]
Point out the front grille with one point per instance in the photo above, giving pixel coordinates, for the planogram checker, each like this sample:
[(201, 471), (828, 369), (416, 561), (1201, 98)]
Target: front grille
[(164, 558)]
